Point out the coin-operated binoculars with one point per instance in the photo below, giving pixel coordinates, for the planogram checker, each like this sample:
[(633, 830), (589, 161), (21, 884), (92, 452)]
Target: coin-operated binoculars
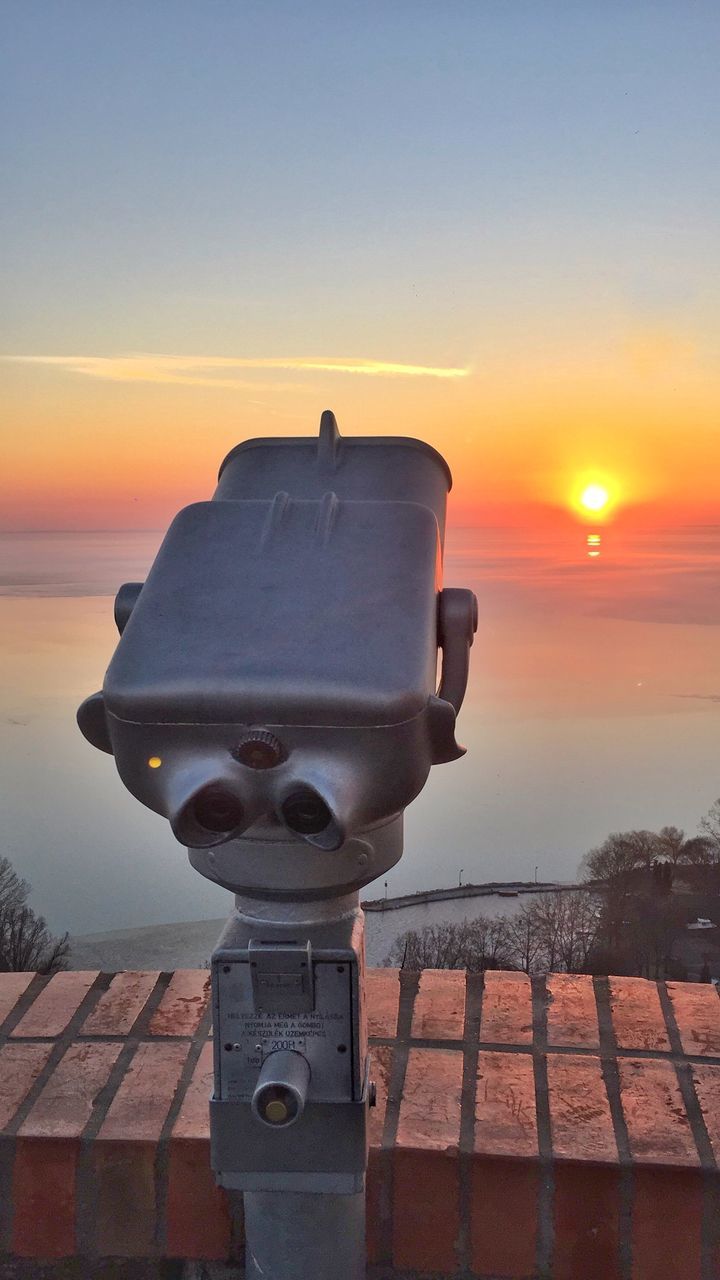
[(274, 694)]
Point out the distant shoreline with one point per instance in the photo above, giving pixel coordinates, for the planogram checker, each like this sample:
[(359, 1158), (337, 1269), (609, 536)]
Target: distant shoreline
[(490, 889), (189, 944)]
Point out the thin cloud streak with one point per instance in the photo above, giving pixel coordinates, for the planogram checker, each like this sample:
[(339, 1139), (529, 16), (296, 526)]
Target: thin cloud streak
[(198, 370)]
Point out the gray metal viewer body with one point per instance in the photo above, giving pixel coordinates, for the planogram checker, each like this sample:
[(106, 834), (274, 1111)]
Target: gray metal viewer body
[(274, 695)]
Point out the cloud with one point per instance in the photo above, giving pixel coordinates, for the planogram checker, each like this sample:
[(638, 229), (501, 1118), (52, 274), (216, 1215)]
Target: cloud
[(700, 697), (213, 371)]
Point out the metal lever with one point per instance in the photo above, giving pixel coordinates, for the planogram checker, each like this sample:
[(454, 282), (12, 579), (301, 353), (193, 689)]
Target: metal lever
[(281, 1090), (457, 624), (125, 602)]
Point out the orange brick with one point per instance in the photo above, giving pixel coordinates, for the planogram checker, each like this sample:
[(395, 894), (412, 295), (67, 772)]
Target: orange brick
[(193, 1118), (707, 1088), (197, 1216), (12, 986), (586, 1174), (426, 1212), (198, 1221), (20, 1066), (119, 1006), (124, 1152), (53, 1008), (66, 1103), (697, 1013), (572, 1015), (506, 1009), (43, 1194), (504, 1217), (139, 1108), (430, 1108), (637, 1014), (505, 1119), (124, 1199), (426, 1224), (658, 1128), (587, 1227), (383, 997), (439, 1012), (181, 1009), (580, 1119), (667, 1224)]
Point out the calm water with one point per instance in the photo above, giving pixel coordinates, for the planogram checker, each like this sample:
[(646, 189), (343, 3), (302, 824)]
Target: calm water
[(382, 928), (594, 706)]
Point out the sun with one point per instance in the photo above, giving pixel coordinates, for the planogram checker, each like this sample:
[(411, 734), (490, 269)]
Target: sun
[(594, 494), (595, 497)]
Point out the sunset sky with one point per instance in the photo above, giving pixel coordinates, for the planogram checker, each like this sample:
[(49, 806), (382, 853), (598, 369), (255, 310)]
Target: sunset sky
[(494, 226)]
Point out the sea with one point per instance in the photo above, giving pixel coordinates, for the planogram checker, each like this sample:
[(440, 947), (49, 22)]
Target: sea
[(593, 706)]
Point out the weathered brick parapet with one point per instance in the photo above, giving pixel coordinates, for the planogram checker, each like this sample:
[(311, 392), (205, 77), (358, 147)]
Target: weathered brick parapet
[(566, 1127)]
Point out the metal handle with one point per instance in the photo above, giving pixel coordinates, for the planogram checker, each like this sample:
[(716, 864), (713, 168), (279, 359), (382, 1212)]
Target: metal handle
[(125, 602), (457, 624), (281, 1090)]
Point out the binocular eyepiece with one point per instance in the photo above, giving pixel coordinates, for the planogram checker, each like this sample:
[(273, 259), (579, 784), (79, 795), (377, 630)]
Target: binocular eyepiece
[(211, 816), (216, 814), (274, 689)]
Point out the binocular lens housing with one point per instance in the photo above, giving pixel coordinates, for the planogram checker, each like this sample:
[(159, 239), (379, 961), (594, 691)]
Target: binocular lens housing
[(306, 813), (211, 816), (217, 810)]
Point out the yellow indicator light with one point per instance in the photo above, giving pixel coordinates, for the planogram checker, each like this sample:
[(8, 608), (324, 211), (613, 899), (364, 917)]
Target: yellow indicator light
[(593, 538), (154, 762), (276, 1111)]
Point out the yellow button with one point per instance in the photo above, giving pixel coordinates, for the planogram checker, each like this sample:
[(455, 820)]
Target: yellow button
[(276, 1112)]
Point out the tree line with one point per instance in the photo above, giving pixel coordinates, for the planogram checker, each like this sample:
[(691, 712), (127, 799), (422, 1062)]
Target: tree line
[(625, 918), (25, 940), (556, 931)]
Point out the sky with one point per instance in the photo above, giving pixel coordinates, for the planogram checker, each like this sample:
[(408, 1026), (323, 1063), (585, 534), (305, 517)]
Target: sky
[(490, 225)]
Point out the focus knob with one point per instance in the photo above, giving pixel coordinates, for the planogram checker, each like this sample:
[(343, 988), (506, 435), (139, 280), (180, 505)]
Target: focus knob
[(260, 749)]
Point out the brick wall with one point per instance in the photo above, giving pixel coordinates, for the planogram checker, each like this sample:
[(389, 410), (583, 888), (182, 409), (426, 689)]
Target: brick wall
[(566, 1127)]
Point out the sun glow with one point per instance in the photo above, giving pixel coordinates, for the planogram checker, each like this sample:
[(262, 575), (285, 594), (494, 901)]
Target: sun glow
[(595, 497)]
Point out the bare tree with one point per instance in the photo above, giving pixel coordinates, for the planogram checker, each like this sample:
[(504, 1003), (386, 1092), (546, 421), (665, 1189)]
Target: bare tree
[(25, 940), (13, 890), (618, 869), (566, 925), (698, 854), (710, 824), (473, 944), (525, 939), (580, 930), (618, 859), (701, 856), (640, 918), (546, 915), (554, 931)]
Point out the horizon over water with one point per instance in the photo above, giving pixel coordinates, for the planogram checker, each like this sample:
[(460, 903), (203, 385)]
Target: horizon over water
[(593, 706)]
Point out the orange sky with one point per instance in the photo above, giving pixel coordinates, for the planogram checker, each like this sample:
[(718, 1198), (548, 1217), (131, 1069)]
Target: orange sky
[(123, 443), (493, 228)]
